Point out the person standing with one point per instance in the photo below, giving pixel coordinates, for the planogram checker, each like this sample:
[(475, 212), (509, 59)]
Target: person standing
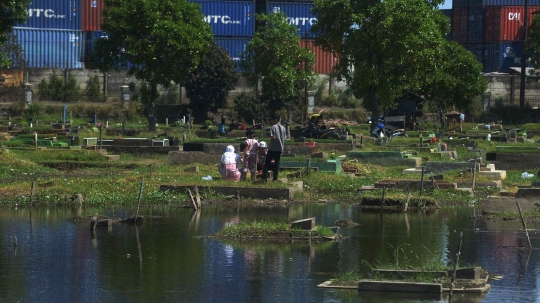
[(250, 155), (275, 148)]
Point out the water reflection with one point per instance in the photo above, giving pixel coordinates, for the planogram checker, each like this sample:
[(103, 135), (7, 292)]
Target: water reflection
[(167, 260)]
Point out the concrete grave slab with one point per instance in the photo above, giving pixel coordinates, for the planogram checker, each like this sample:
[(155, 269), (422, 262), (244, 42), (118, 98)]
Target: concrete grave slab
[(495, 205)]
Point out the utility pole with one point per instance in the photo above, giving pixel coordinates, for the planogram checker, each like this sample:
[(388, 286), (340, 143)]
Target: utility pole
[(524, 57)]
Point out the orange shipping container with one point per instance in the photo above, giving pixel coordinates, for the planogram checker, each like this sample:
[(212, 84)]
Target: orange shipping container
[(505, 23), (91, 14), (324, 60)]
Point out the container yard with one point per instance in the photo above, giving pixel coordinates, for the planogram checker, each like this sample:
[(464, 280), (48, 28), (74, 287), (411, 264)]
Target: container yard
[(491, 29), (51, 48), (62, 34)]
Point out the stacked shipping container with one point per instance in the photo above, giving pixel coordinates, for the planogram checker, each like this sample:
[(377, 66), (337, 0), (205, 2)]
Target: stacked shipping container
[(493, 30), (51, 36), (62, 33)]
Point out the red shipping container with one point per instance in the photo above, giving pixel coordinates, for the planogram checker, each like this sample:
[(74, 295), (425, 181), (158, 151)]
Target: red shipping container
[(324, 60), (91, 14), (459, 24), (505, 23)]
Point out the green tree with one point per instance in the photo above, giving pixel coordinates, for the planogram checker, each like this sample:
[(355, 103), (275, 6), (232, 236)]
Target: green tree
[(274, 60), (159, 42), (456, 80), (533, 43), (249, 107), (208, 86), (385, 47), (11, 13)]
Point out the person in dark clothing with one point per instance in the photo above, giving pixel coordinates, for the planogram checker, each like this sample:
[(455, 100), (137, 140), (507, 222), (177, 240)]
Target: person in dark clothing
[(275, 148)]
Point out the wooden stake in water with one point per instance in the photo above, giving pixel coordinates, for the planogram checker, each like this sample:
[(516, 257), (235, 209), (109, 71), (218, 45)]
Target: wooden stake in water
[(140, 198), (456, 260), (382, 199), (32, 191), (192, 199), (422, 181), (407, 202), (435, 185), (523, 223), (197, 196)]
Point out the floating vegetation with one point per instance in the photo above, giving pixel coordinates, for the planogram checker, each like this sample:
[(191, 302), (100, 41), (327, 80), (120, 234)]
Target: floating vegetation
[(274, 231)]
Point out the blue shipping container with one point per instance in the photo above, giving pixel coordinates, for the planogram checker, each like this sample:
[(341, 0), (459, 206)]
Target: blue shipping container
[(229, 18), (51, 48), (460, 3), (90, 38), (234, 46), (477, 49), (500, 57), (475, 24), (298, 14), (53, 14), (481, 3)]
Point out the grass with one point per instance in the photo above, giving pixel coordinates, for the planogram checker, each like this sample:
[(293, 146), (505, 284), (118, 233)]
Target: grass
[(269, 230), (87, 172), (395, 258)]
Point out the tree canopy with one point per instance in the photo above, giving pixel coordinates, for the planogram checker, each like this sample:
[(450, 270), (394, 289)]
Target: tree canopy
[(275, 60), (11, 13), (455, 80), (533, 43), (209, 84), (160, 41), (385, 47)]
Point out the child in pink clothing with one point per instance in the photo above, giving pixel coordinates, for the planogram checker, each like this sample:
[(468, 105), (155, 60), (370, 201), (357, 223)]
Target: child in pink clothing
[(250, 154)]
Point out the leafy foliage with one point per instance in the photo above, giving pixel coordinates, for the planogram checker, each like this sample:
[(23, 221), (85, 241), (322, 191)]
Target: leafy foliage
[(456, 81), (159, 42), (93, 91), (210, 83), (533, 44), (275, 60), (249, 107), (11, 13), (385, 47), (56, 89)]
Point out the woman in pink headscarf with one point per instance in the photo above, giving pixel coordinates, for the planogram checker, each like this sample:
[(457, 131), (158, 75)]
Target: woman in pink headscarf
[(229, 164)]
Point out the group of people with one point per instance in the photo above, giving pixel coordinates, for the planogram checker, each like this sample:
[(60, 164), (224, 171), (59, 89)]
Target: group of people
[(258, 157)]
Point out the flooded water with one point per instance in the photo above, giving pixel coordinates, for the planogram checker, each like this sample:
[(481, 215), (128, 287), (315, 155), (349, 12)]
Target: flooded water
[(167, 260)]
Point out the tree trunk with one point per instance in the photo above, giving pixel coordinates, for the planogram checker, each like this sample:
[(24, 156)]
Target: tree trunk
[(441, 118), (375, 112), (288, 123), (149, 111)]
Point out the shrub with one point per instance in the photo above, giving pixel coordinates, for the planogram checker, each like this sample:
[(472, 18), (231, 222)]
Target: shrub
[(17, 108), (51, 110), (330, 100), (249, 107), (93, 90), (34, 110), (56, 90)]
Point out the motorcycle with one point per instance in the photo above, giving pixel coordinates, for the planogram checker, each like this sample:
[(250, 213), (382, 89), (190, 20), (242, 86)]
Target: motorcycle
[(313, 131), (382, 131)]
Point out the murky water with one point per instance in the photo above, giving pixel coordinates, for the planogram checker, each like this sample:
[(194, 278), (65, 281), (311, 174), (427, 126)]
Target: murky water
[(165, 260)]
